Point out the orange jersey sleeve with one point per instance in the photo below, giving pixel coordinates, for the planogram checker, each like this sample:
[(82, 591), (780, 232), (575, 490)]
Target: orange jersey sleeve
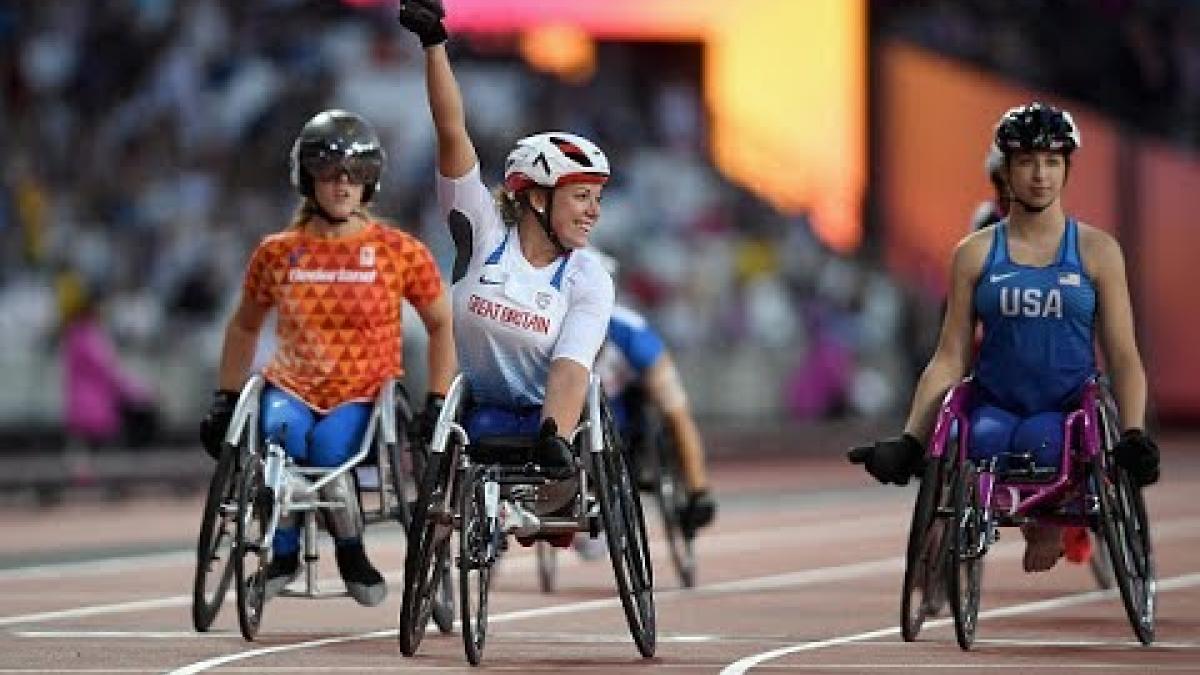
[(339, 305)]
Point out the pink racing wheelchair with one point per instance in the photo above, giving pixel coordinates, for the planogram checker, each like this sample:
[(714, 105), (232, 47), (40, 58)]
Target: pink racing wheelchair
[(962, 504)]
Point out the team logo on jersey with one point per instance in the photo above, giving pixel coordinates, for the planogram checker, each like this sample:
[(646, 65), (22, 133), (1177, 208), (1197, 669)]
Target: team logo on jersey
[(543, 299), (1069, 279), (1031, 302), (366, 256)]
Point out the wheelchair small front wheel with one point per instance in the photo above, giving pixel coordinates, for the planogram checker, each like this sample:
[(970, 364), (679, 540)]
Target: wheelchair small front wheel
[(215, 545)]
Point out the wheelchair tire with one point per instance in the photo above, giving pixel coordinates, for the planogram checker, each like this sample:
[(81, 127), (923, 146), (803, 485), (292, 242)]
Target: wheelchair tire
[(966, 554), (1100, 562), (927, 557), (547, 566), (671, 494), (253, 555), (214, 547), (477, 552), (426, 556), (1122, 514), (625, 529), (402, 486)]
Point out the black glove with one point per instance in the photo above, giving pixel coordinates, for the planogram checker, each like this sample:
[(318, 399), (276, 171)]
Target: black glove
[(216, 422), (552, 450), (1138, 455), (424, 19), (425, 422), (893, 460)]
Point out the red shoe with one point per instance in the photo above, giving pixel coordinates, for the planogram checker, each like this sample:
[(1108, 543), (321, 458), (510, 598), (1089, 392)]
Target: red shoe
[(1077, 544)]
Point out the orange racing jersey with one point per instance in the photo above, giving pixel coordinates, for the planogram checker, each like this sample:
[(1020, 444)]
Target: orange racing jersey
[(339, 304)]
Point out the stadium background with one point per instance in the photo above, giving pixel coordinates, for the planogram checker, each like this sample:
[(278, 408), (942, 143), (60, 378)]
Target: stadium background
[(790, 176)]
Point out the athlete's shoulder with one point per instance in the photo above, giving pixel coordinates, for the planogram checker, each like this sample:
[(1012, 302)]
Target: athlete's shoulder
[(397, 239), (280, 242), (1100, 250)]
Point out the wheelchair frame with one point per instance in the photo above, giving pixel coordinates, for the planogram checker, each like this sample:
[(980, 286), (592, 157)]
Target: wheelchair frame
[(461, 494), (961, 506), (256, 484)]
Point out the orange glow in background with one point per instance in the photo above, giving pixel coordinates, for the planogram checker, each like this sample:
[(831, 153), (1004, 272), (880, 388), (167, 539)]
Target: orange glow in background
[(785, 82)]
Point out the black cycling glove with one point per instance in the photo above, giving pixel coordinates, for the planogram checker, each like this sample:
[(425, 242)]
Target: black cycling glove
[(216, 421), (552, 450), (424, 19), (425, 422), (1138, 455), (892, 460)]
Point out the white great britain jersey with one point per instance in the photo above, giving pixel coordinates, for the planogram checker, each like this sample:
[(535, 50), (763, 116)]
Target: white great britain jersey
[(510, 318)]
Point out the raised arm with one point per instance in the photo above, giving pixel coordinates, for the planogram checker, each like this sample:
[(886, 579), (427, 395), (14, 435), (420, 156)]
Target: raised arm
[(455, 152)]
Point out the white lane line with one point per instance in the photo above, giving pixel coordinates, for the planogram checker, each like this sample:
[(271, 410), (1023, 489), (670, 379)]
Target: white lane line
[(742, 665), (96, 567), (115, 608), (122, 634)]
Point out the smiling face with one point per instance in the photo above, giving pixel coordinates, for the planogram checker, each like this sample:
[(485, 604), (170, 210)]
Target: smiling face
[(338, 196), (575, 212), (1036, 178)]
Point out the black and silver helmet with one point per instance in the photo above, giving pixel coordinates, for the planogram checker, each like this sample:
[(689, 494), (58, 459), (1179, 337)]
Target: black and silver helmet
[(1037, 126), (334, 141)]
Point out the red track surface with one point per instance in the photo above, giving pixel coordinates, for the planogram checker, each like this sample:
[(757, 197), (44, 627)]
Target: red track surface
[(800, 573)]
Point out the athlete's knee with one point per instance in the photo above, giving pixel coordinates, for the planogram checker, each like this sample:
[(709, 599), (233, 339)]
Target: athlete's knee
[(991, 431), (1041, 436)]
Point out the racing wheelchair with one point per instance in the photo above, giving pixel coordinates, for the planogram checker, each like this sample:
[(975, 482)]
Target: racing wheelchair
[(255, 485), (961, 504), (486, 489), (650, 448)]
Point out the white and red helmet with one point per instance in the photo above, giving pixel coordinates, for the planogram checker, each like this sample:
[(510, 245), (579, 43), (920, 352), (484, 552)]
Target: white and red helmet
[(552, 159)]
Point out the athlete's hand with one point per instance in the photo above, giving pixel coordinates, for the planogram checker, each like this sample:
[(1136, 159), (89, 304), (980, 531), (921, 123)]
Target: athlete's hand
[(425, 422), (552, 450), (216, 422), (893, 460), (1138, 455), (424, 19)]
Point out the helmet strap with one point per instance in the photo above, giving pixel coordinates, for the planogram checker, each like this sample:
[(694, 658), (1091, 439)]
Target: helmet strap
[(543, 219)]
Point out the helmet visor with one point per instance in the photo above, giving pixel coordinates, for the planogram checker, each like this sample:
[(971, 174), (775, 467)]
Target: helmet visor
[(362, 169)]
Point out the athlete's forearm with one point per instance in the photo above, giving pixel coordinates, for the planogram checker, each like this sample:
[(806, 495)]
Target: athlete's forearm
[(236, 356), (566, 389), (939, 376), (1129, 388), (456, 154), (691, 448), (442, 361)]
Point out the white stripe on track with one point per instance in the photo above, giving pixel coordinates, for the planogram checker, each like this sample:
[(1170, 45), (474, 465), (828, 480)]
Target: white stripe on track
[(742, 665)]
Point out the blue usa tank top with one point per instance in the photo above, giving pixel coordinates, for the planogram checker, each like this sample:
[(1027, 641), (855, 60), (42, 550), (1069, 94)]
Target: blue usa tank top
[(1038, 327)]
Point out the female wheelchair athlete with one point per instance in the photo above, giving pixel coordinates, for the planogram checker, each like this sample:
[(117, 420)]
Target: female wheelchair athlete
[(255, 485), (486, 489), (961, 504)]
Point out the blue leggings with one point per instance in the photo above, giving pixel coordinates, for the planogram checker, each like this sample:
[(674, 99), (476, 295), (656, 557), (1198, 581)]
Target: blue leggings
[(995, 431), (484, 421), (311, 439)]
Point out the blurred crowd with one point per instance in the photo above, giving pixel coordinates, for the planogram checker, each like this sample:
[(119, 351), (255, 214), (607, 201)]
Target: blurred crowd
[(1138, 60), (146, 152)]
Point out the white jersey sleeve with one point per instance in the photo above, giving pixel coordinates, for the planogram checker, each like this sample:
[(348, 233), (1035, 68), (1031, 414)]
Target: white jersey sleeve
[(467, 199), (591, 304)]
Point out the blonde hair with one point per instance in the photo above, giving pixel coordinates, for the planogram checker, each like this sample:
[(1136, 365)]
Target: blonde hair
[(511, 209)]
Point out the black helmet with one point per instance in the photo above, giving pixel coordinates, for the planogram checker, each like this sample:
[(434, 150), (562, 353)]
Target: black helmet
[(1037, 126), (334, 141)]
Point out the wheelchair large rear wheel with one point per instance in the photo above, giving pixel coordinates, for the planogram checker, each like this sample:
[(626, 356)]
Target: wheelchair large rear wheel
[(256, 503), (671, 494), (425, 561), (966, 573), (927, 559), (214, 547), (1122, 513), (625, 529), (403, 486), (478, 546)]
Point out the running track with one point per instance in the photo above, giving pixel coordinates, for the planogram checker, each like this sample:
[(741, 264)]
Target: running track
[(801, 573)]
